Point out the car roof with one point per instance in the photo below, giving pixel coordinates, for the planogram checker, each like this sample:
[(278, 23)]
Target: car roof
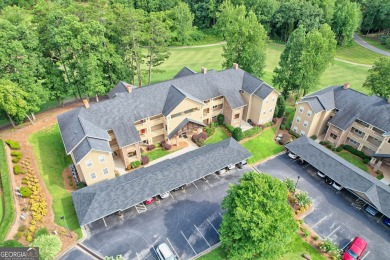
[(358, 245), (165, 250)]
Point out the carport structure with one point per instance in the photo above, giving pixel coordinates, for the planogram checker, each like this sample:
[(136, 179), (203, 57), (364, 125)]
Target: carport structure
[(355, 180), (105, 198)]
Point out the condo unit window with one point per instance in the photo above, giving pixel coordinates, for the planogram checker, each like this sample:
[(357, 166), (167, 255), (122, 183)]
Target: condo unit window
[(298, 119), (189, 111), (357, 131), (353, 141), (309, 113), (207, 101), (264, 112), (88, 163), (131, 154), (176, 115), (303, 132), (236, 116), (270, 110), (301, 109), (105, 171), (102, 158), (93, 175), (295, 129), (305, 124), (333, 136)]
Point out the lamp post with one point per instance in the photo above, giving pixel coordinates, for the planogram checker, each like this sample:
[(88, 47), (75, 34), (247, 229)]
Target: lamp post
[(296, 184), (66, 224)]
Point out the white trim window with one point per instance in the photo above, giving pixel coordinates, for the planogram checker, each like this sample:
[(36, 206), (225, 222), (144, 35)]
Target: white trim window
[(105, 171), (295, 129), (309, 113), (303, 132), (298, 119), (102, 158), (264, 112), (353, 141), (358, 132), (88, 163), (305, 123), (270, 110), (93, 176), (301, 109)]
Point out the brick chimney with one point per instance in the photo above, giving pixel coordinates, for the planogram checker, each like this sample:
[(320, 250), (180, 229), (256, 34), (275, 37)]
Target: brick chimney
[(203, 70), (86, 103), (346, 85), (235, 66), (129, 88)]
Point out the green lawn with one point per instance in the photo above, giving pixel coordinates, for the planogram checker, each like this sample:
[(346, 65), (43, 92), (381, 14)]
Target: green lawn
[(219, 135), (374, 42), (157, 153), (355, 160), (295, 253), (357, 53), (263, 145), (51, 158)]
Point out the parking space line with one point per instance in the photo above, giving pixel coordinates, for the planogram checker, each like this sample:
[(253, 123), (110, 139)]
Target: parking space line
[(332, 232), (318, 222), (366, 255), (155, 251), (137, 256), (202, 236), (213, 226), (140, 208), (173, 248), (195, 185), (220, 214), (188, 242), (216, 176), (171, 195)]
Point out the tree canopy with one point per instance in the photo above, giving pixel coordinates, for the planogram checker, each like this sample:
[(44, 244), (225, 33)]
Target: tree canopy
[(346, 20), (378, 79), (258, 222)]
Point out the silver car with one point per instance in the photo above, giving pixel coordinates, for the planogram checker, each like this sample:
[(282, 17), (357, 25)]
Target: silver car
[(165, 253)]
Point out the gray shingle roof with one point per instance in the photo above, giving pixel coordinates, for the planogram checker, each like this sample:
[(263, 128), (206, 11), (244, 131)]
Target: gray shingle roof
[(184, 72), (107, 197), (119, 88), (253, 85), (351, 105), (123, 109), (343, 172), (182, 124), (89, 144), (175, 97)]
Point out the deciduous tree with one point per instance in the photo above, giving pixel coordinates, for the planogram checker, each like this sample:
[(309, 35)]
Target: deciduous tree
[(258, 222), (182, 22), (13, 100), (49, 246), (346, 21), (378, 79)]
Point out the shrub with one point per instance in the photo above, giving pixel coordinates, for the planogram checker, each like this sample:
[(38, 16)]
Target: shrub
[(380, 176), (290, 184), (357, 152), (16, 153), (22, 228), (15, 159), (26, 192), (200, 142), (339, 149), (305, 232), (294, 134), (285, 139), (49, 246), (32, 228), (328, 246), (144, 160), (135, 164), (13, 144), (18, 235), (282, 127), (274, 120), (230, 128), (281, 106), (314, 137), (251, 132), (81, 184), (237, 134), (210, 129), (29, 238), (11, 243), (42, 231), (16, 169), (315, 237), (167, 146), (322, 142), (201, 135), (303, 199), (220, 119), (150, 147), (366, 160)]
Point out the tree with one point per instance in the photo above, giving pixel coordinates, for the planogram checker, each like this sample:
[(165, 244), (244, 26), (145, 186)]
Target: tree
[(182, 22), (346, 21), (237, 134), (280, 107), (245, 39), (49, 246), (220, 119), (204, 11), (13, 100), (378, 79), (376, 15), (258, 222)]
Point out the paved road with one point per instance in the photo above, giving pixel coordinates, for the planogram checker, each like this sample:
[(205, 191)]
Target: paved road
[(188, 222), (363, 43), (333, 217)]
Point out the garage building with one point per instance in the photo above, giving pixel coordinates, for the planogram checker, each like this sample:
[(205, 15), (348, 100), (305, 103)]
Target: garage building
[(107, 197), (355, 180)]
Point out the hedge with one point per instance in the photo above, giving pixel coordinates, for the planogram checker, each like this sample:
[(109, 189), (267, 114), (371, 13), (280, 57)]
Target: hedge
[(135, 164), (17, 169), (25, 191), (251, 132), (13, 144), (357, 153), (294, 134), (8, 201), (237, 134), (230, 128)]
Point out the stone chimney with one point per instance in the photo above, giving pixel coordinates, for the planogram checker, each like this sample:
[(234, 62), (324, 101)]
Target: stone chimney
[(346, 85), (86, 103), (203, 70), (235, 66), (129, 88)]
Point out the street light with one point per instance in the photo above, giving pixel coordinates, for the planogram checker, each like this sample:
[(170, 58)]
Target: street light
[(296, 184), (66, 224)]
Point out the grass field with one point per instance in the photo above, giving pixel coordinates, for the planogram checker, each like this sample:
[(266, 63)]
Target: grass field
[(156, 153), (263, 145), (52, 160), (297, 248), (355, 160), (357, 53), (219, 135)]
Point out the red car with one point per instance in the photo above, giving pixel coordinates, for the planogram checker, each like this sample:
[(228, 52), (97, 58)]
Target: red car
[(355, 249), (149, 201)]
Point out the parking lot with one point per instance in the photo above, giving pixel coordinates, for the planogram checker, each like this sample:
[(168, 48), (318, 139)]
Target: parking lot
[(187, 222), (334, 216)]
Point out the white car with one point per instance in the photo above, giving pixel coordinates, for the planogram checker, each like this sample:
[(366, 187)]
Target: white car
[(230, 166), (337, 186), (221, 171), (164, 195), (292, 155), (165, 253), (321, 174), (278, 137)]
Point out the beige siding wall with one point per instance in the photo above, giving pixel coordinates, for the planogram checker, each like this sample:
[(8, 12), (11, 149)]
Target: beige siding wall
[(126, 153), (255, 109), (149, 128), (267, 108), (301, 116), (237, 116), (186, 104), (228, 113), (384, 148), (97, 167), (212, 108), (247, 109)]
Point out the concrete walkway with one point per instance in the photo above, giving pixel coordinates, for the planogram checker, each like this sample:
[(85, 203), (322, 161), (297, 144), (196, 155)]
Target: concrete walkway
[(363, 43), (191, 146)]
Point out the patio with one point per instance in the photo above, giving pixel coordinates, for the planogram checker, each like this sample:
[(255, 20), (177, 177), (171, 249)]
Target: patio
[(245, 125)]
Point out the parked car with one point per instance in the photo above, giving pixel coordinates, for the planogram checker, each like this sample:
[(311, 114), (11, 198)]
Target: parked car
[(371, 210), (337, 186), (250, 122), (230, 167), (386, 220), (321, 174), (165, 253), (277, 139), (164, 195), (328, 180), (222, 171), (302, 162), (292, 155), (355, 249), (149, 201), (179, 188), (240, 165)]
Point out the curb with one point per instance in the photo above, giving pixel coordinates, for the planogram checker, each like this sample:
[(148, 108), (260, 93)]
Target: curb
[(206, 251)]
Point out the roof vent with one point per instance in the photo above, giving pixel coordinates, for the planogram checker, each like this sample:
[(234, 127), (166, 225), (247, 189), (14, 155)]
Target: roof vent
[(203, 70), (129, 88), (346, 85), (235, 66)]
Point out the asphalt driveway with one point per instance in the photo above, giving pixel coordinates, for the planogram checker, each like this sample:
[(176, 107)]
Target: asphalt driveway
[(187, 221), (333, 217)]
